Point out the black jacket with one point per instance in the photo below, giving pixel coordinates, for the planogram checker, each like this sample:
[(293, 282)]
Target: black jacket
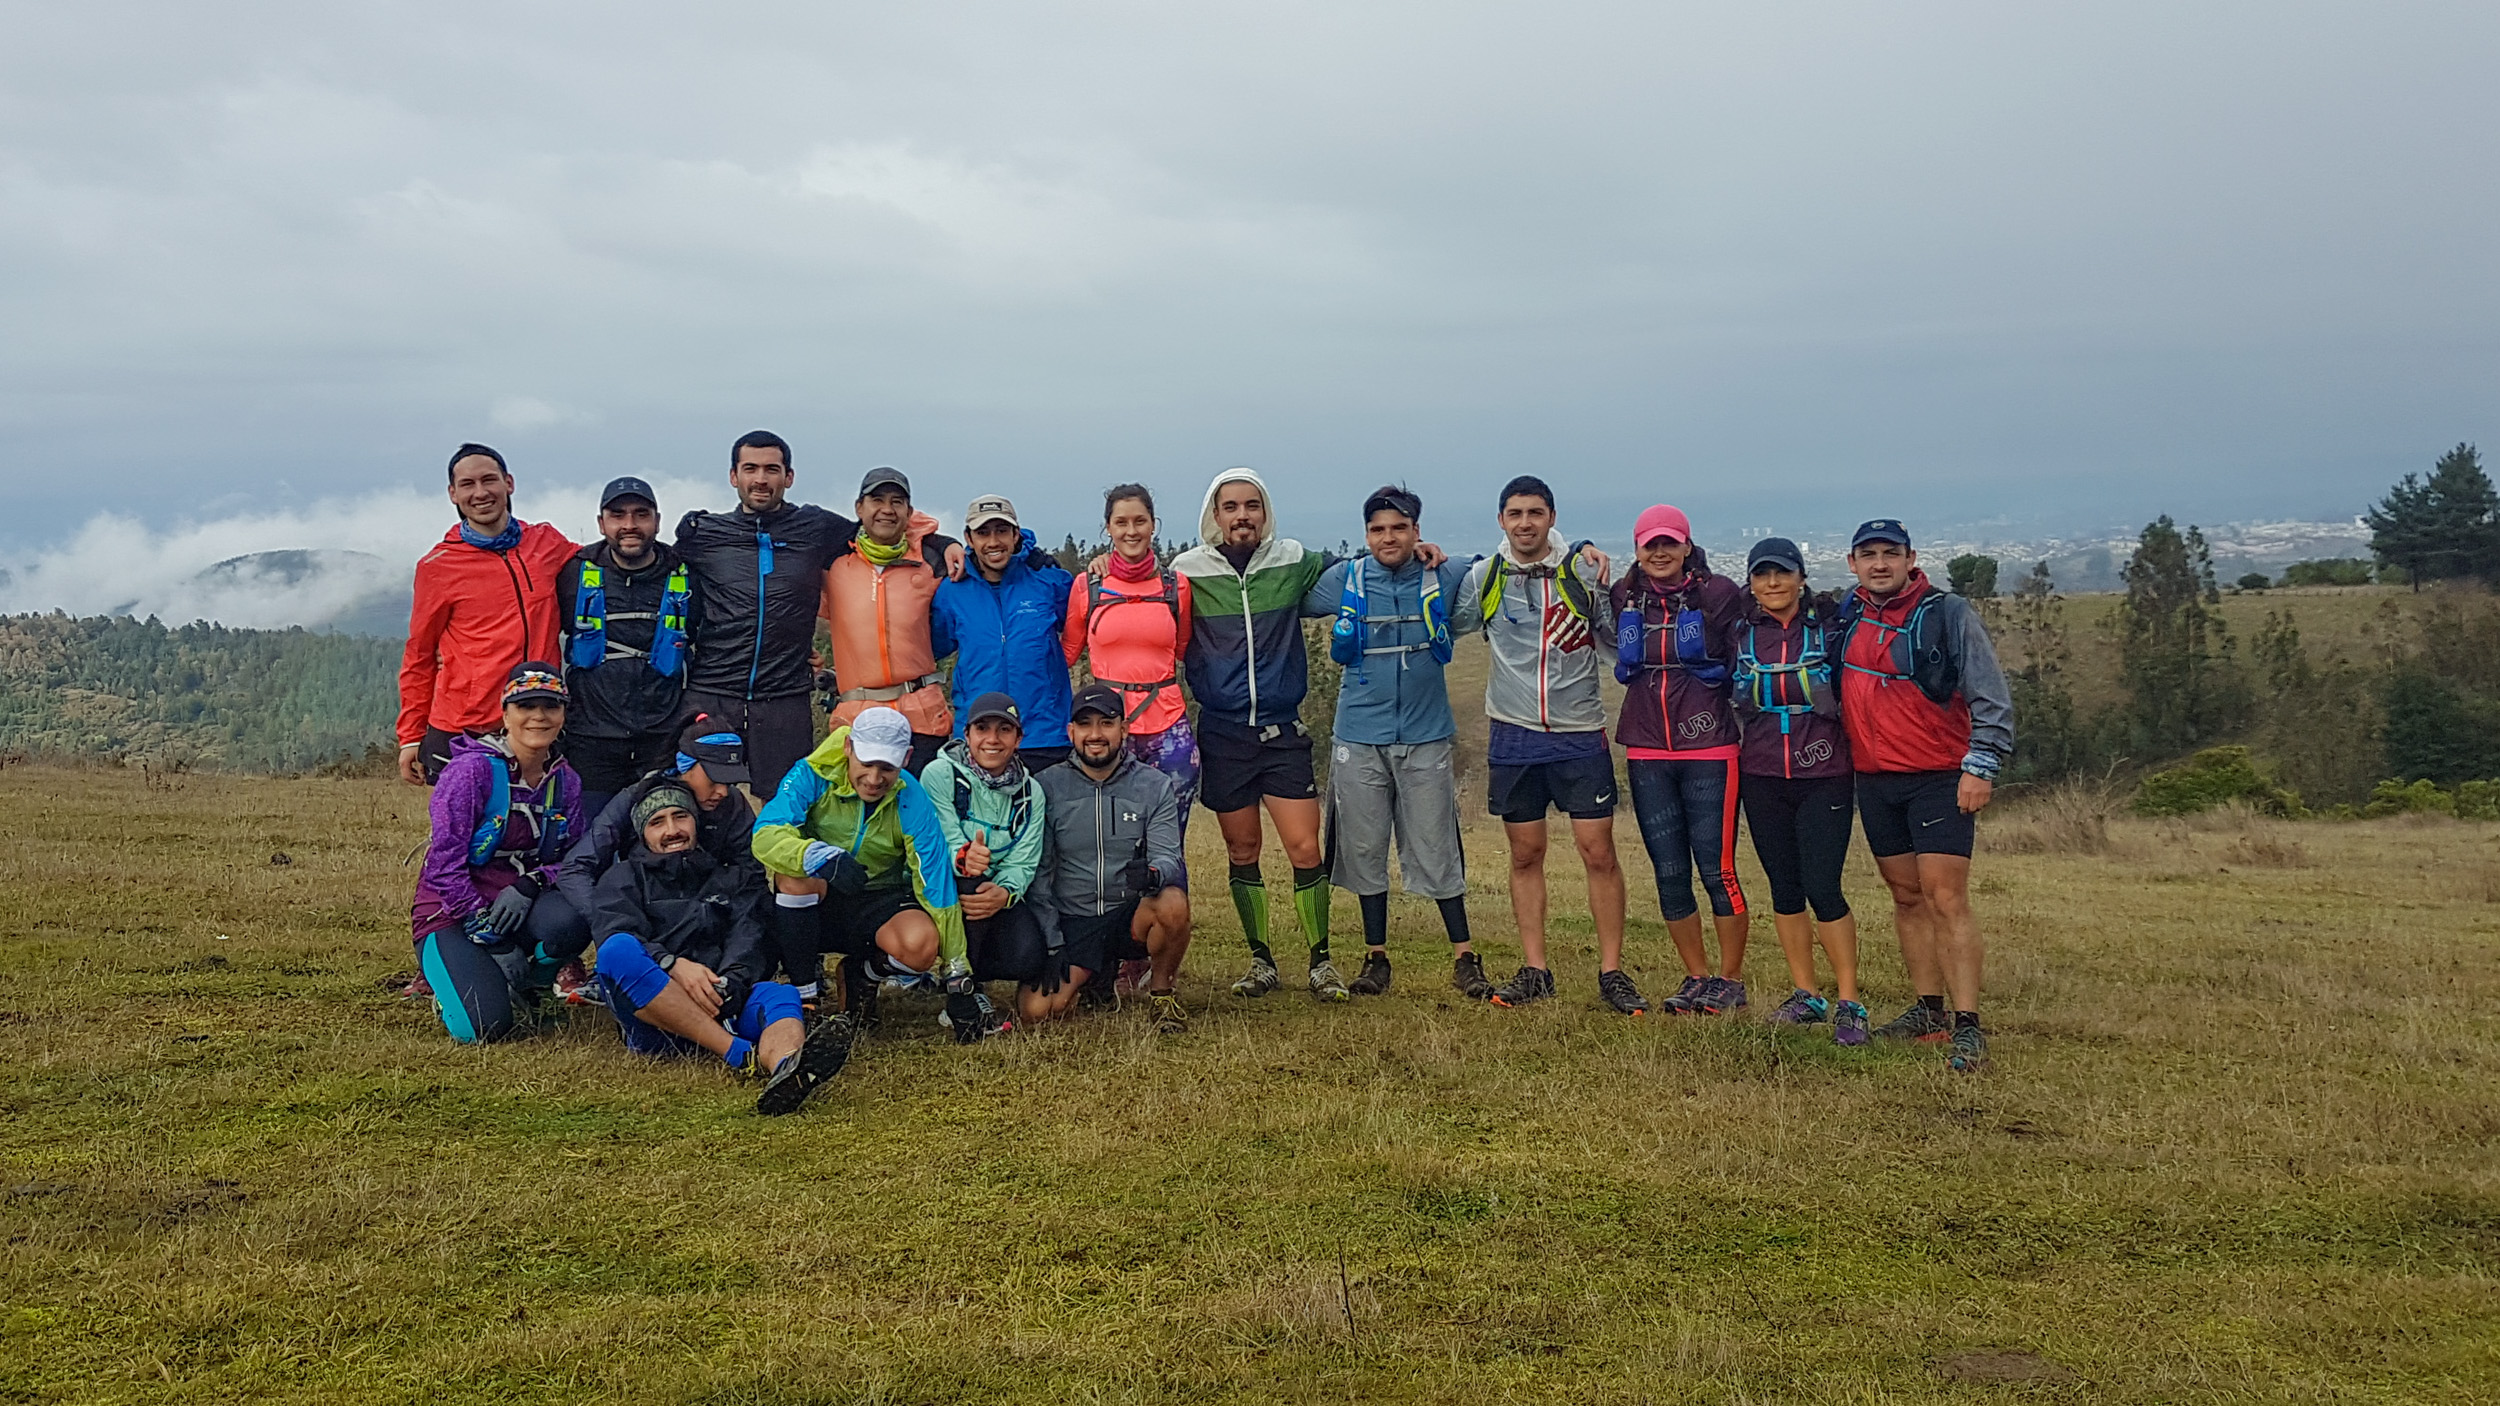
[(687, 905), (726, 556), (726, 833), (624, 697)]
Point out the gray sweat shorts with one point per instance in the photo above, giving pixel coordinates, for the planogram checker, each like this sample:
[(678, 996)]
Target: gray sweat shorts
[(1410, 792)]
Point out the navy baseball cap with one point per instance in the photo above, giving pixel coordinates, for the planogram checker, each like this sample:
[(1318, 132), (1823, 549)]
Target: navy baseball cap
[(1776, 551), (994, 705), (1882, 529), (1099, 697), (628, 487)]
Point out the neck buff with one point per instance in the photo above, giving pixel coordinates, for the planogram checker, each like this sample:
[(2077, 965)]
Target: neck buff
[(1142, 569), (503, 541), (879, 554)]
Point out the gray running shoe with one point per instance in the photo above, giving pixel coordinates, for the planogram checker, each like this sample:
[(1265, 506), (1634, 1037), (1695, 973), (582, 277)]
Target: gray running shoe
[(1970, 1050), (1802, 1007), (1848, 1023), (1374, 978), (1467, 975), (1326, 984), (1261, 979), (1917, 1023), (1620, 993), (1687, 998), (1531, 984)]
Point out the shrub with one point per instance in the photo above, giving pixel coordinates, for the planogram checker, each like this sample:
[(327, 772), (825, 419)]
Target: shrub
[(2254, 581), (2329, 571), (2471, 800), (2215, 776)]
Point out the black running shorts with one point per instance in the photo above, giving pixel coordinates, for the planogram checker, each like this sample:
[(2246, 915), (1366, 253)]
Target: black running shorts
[(1914, 811), (1580, 787), (1238, 764)]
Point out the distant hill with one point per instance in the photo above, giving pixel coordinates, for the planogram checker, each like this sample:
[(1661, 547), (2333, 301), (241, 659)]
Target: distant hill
[(206, 696), (348, 593)]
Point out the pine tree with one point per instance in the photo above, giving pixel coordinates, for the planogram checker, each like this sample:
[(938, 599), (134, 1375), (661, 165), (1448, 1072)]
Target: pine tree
[(1972, 576), (2176, 657), (2441, 528)]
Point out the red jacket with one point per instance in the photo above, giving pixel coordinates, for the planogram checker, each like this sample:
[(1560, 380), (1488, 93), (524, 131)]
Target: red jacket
[(477, 614), (1892, 726)]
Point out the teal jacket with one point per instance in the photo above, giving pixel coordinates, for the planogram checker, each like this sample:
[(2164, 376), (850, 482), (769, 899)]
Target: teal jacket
[(898, 840), (1004, 813)]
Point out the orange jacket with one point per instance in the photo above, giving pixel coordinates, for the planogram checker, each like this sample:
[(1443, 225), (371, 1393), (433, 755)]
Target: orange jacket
[(477, 614), (878, 617)]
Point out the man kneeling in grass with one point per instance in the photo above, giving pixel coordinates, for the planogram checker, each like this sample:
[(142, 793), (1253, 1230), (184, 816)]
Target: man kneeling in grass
[(681, 948), (1111, 865)]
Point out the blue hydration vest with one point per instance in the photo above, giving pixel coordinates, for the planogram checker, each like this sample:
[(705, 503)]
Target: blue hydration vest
[(1757, 687), (486, 841), (1690, 650), (1349, 640), (591, 645)]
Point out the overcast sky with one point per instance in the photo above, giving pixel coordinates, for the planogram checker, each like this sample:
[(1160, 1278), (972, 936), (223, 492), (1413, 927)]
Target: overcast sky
[(1800, 261)]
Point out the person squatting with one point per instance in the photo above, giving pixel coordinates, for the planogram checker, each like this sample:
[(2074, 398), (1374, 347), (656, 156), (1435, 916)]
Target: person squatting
[(593, 719)]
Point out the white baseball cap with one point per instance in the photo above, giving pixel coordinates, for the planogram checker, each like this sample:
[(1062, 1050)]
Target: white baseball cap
[(987, 508), (881, 735)]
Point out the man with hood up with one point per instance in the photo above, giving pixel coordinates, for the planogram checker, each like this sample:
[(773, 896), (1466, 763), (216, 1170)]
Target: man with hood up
[(1247, 668)]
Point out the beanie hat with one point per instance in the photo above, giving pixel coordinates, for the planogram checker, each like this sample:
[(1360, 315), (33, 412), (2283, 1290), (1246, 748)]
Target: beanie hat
[(660, 798)]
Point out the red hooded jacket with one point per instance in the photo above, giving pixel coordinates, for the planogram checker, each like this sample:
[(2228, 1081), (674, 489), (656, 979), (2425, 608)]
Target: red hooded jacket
[(477, 614)]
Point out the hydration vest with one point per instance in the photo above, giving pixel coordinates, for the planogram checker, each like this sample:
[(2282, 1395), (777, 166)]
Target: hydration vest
[(1918, 642), (1099, 597), (1349, 640), (1757, 683), (1688, 648), (1574, 591), (591, 645), (486, 841), (1020, 810)]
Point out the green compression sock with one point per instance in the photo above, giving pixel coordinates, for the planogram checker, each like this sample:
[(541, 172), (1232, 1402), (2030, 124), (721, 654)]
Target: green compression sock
[(1250, 901), (1310, 904)]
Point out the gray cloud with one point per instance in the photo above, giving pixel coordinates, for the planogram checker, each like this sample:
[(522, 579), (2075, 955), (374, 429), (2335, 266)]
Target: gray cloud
[(1804, 261)]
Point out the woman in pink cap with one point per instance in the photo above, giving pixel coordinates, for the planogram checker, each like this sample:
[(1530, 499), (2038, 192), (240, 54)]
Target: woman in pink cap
[(1675, 631)]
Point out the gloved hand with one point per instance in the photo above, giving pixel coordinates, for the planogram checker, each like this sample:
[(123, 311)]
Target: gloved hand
[(1142, 877), (478, 929), (834, 865), (509, 910), (963, 1014), (1628, 639)]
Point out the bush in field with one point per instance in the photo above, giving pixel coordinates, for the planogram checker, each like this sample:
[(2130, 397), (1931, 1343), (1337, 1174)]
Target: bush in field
[(2253, 581), (2213, 777), (2472, 800), (2329, 571), (2319, 726), (1972, 576)]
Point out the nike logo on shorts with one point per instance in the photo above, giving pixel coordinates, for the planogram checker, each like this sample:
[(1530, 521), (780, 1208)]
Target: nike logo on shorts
[(1939, 820), (1604, 800)]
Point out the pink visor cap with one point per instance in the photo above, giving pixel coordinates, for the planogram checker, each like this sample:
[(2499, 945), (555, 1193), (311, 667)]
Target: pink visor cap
[(1661, 521)]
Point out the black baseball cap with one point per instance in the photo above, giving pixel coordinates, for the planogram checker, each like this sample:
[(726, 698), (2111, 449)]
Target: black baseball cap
[(884, 477), (1775, 551), (1099, 697), (628, 487), (1882, 529), (714, 744), (994, 705)]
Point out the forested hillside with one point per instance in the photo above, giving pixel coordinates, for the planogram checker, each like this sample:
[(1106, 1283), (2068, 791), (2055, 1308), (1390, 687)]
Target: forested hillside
[(200, 696)]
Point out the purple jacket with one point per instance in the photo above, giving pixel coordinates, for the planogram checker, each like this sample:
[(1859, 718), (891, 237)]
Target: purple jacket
[(449, 889), (1813, 744), (1665, 705)]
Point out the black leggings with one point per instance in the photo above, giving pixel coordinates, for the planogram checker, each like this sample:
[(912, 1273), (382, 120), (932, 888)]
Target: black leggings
[(1009, 946), (1801, 834)]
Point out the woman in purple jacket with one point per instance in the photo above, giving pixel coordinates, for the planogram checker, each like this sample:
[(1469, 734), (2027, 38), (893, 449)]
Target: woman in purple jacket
[(1674, 623), (1799, 790), (491, 927)]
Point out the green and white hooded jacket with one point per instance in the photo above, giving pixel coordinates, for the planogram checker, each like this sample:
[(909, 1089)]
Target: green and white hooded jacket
[(1246, 662)]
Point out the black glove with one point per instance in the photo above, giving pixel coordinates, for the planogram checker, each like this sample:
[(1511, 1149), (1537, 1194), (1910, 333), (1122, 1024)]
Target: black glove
[(1142, 877), (963, 1012), (510, 908), (845, 875)]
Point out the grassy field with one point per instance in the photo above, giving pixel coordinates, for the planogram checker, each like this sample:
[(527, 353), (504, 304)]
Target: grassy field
[(2239, 1145)]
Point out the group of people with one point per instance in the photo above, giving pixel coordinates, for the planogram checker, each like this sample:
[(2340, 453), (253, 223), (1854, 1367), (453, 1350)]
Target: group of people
[(587, 717)]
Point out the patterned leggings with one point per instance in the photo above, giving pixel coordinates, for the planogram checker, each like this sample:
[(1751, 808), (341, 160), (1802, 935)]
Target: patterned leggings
[(1174, 752)]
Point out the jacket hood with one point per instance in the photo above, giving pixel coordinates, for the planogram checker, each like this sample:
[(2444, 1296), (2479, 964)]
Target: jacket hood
[(1208, 534)]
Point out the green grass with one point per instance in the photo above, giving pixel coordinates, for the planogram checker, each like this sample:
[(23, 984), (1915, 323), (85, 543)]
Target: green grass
[(2239, 1145)]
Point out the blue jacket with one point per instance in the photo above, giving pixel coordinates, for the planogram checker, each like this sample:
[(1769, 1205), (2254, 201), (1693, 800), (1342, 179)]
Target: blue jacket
[(1396, 697), (1005, 639)]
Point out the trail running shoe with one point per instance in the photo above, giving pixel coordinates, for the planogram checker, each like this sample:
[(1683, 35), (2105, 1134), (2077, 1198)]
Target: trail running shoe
[(1467, 974), (1132, 978), (575, 986), (1620, 993), (1848, 1024), (1097, 994), (1802, 1007), (1374, 978), (859, 995), (1687, 997), (1531, 984), (1170, 1019), (1326, 984), (828, 1048), (993, 1020), (1917, 1023), (1729, 995), (1260, 980), (1970, 1050)]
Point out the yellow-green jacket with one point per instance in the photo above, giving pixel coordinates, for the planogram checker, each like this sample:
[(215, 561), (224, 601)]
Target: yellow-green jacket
[(898, 840)]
